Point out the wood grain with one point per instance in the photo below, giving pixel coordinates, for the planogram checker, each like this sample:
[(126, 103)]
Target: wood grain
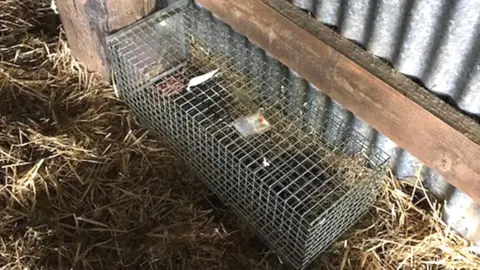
[(125, 12), (416, 120), (88, 22)]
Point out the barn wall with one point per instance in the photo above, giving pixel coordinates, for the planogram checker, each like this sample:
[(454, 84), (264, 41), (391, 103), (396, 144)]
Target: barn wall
[(437, 44)]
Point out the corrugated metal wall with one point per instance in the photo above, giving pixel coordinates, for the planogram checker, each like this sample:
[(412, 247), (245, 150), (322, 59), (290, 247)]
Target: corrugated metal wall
[(435, 42)]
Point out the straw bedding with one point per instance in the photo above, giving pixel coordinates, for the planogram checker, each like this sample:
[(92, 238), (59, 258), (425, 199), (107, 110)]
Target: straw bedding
[(82, 186)]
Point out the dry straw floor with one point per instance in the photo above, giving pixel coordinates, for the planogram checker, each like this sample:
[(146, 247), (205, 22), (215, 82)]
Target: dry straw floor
[(82, 186)]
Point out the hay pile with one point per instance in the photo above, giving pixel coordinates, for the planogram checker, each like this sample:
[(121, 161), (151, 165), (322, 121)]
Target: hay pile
[(403, 231), (83, 187)]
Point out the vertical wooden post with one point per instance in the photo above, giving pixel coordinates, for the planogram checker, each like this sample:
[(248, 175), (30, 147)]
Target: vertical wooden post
[(88, 22)]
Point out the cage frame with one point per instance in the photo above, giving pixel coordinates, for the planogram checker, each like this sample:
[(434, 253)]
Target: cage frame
[(311, 236)]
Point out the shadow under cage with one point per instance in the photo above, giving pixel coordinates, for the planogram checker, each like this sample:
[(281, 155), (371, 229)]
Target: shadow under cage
[(268, 149)]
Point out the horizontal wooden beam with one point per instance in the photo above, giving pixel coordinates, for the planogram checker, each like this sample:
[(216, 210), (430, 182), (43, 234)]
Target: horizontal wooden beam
[(88, 22), (431, 130)]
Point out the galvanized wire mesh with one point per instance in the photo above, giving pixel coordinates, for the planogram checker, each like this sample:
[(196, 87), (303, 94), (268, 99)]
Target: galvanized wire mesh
[(300, 184)]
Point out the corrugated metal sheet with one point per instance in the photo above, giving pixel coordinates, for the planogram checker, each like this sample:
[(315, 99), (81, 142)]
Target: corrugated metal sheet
[(435, 42)]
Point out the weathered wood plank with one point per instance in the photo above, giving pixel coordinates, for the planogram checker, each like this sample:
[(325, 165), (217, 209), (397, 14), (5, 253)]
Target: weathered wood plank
[(415, 119), (88, 22), (125, 12)]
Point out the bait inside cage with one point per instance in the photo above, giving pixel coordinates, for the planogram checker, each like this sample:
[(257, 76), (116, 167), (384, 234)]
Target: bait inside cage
[(300, 182)]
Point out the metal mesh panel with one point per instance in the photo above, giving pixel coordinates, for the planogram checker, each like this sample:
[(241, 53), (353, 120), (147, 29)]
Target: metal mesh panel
[(300, 185)]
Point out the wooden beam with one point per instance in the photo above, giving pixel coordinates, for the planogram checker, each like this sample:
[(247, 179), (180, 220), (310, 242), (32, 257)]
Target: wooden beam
[(434, 132), (88, 22)]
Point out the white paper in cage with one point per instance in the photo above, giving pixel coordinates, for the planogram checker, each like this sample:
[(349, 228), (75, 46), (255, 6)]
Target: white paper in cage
[(201, 79), (252, 124)]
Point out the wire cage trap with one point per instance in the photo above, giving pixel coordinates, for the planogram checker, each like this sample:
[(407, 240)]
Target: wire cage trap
[(268, 148)]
